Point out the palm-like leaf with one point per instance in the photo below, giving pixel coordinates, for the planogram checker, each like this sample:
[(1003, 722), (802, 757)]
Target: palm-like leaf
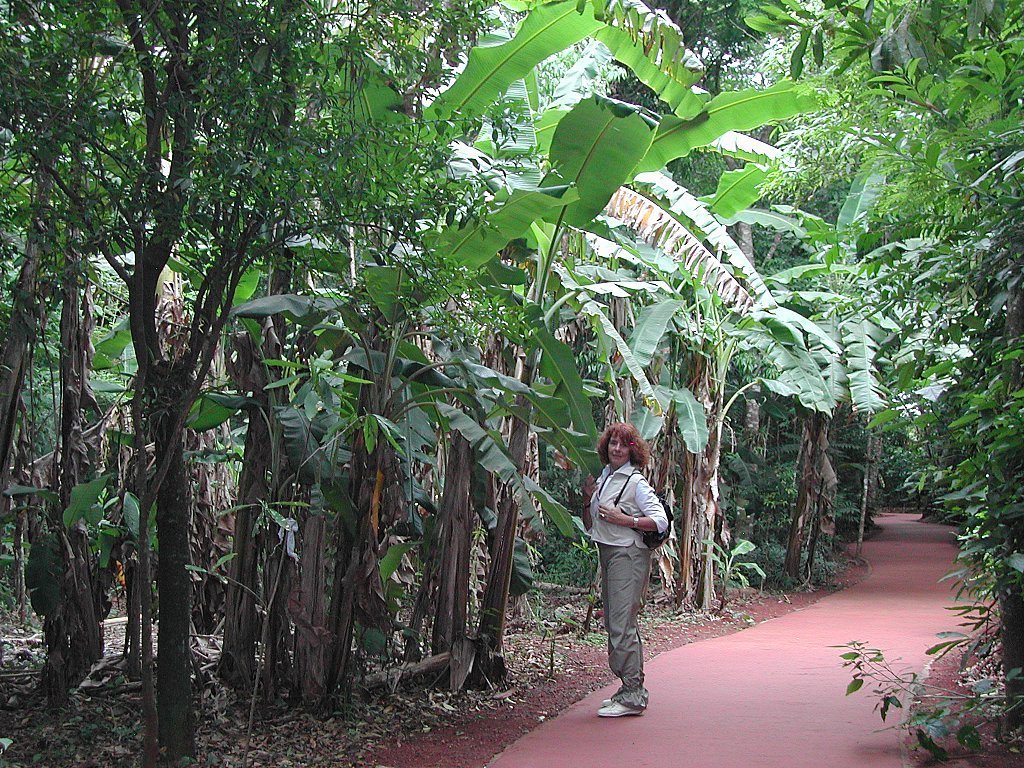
[(659, 229), (861, 339), (680, 202)]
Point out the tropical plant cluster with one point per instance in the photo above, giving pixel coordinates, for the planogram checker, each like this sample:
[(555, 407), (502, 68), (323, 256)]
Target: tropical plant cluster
[(313, 312)]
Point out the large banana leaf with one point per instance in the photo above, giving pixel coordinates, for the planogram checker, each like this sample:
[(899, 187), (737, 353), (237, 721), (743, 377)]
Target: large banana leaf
[(606, 329), (652, 46), (799, 372), (691, 417), (546, 30), (860, 336), (731, 111), (555, 415), (477, 242), (659, 229), (682, 203), (650, 328), (595, 147), (492, 455), (743, 147), (864, 191), (737, 190)]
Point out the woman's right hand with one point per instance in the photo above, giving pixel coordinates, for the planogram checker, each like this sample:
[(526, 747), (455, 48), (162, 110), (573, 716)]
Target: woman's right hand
[(589, 486)]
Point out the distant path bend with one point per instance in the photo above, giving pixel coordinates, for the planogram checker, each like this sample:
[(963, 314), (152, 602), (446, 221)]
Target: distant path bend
[(773, 696)]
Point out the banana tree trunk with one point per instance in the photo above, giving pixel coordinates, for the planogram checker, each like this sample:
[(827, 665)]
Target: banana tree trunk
[(814, 482), (456, 523), (489, 664), (308, 610), (73, 638)]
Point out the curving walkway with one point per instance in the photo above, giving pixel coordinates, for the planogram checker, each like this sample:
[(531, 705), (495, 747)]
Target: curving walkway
[(773, 696)]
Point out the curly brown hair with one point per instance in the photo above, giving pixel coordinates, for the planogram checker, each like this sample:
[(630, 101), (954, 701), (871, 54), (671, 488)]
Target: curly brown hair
[(639, 450)]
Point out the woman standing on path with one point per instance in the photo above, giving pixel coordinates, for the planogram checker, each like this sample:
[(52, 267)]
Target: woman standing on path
[(617, 509)]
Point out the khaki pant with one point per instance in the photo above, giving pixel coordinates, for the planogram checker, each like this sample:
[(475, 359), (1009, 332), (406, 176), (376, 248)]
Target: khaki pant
[(624, 574)]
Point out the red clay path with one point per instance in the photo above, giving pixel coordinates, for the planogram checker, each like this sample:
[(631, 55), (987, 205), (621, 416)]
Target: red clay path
[(773, 696)]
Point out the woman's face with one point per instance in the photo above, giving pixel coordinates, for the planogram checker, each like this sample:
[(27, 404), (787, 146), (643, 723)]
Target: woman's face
[(618, 451)]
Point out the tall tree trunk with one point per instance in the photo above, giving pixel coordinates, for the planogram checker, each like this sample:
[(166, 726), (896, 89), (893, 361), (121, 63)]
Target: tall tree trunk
[(1011, 595), (73, 637), (168, 387), (308, 610)]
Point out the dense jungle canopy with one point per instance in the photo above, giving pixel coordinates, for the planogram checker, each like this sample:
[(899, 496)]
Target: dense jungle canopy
[(311, 314)]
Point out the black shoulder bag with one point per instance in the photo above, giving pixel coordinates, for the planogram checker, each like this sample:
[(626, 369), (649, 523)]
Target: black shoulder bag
[(653, 539)]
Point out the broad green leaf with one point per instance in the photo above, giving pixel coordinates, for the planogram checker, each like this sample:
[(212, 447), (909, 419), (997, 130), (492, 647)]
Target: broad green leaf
[(691, 419), (595, 148), (558, 363), (859, 339), (782, 317), (743, 147), (43, 574), (864, 191), (131, 513), (731, 111), (554, 415), (490, 70), (302, 309), (650, 328), (605, 326), (765, 218), (386, 286), (647, 422), (212, 409), (393, 558), (474, 244), (83, 497), (737, 190)]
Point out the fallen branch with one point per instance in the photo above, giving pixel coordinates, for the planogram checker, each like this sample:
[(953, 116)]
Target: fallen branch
[(392, 677)]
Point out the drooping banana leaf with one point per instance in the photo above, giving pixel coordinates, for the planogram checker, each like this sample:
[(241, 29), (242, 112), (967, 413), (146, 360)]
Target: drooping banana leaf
[(595, 148), (860, 337), (546, 30), (552, 414), (730, 111), (605, 327), (864, 191), (659, 229), (477, 242), (652, 46), (682, 203), (650, 328), (691, 418), (743, 147)]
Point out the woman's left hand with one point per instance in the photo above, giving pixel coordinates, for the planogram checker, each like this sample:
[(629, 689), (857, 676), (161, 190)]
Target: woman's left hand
[(614, 515)]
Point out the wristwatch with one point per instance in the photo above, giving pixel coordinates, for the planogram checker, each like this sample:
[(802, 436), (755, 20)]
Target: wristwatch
[(636, 521)]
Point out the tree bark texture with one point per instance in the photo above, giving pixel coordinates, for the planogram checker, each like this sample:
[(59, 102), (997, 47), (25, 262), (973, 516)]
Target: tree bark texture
[(73, 635), (489, 664), (456, 523), (174, 585), (817, 482)]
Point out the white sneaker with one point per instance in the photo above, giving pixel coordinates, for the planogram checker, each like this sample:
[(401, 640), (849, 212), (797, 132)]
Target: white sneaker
[(615, 709)]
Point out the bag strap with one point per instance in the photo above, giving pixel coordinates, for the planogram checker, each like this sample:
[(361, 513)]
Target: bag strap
[(623, 489)]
